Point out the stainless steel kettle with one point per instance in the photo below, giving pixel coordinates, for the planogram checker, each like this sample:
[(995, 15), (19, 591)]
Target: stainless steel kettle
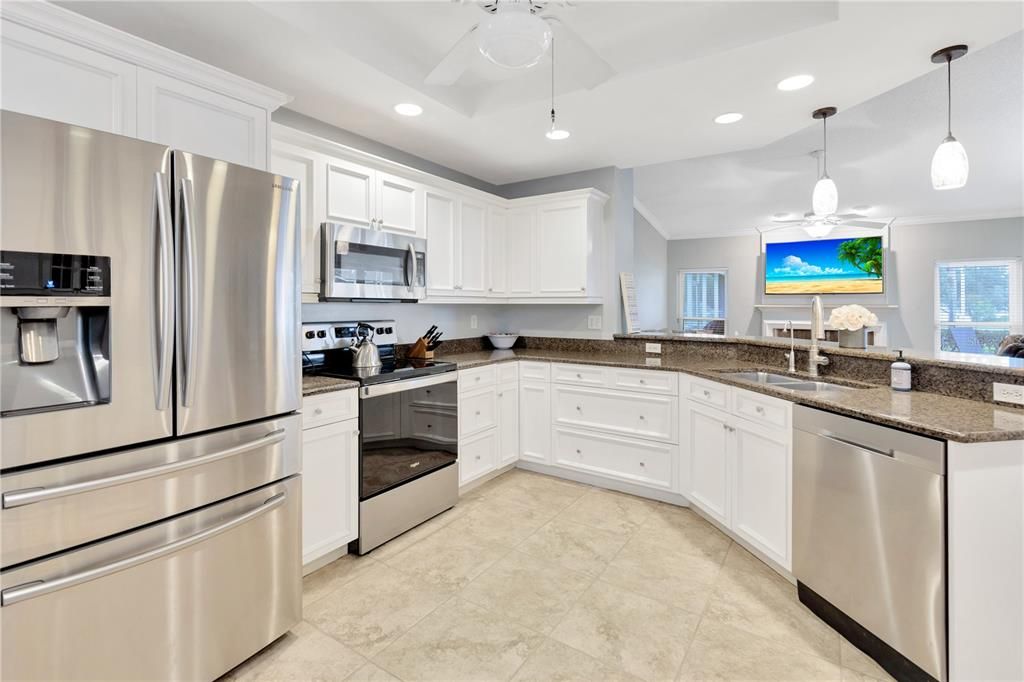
[(366, 354)]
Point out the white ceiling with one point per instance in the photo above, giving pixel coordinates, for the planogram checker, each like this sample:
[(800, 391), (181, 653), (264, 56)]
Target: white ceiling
[(676, 65), (879, 155)]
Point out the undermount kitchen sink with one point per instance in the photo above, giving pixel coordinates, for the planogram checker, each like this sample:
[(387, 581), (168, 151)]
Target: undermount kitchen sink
[(787, 382)]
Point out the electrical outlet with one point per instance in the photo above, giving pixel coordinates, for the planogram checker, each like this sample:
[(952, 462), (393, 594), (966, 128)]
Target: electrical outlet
[(594, 322), (1008, 393), (653, 347), (472, 322)]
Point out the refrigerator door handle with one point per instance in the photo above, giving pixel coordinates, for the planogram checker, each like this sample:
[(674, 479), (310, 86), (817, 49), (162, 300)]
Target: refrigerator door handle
[(190, 291), (20, 498), (40, 588), (165, 291)]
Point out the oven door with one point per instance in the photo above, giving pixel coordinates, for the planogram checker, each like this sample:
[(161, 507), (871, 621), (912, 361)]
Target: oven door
[(361, 264), (408, 429)]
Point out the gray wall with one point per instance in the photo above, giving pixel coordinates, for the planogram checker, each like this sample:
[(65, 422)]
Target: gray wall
[(650, 272), (414, 318), (910, 280)]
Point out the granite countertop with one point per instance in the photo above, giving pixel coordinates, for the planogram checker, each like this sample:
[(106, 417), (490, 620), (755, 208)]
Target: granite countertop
[(929, 414), (314, 384)]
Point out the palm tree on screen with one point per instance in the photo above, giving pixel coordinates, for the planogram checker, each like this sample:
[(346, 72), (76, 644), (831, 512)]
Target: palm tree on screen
[(864, 253)]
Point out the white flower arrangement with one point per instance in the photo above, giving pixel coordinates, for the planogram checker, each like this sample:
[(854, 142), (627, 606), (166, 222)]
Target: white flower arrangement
[(852, 318)]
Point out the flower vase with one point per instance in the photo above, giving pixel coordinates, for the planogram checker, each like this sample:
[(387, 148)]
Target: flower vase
[(856, 338)]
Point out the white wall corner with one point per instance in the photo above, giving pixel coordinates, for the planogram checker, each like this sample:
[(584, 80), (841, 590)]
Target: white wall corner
[(650, 217)]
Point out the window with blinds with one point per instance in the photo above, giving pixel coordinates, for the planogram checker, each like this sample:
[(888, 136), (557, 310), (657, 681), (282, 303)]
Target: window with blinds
[(977, 304), (702, 301)]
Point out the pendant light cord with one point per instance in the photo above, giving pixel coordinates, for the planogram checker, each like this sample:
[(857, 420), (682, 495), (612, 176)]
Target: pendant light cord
[(949, 95), (552, 81), (824, 146)]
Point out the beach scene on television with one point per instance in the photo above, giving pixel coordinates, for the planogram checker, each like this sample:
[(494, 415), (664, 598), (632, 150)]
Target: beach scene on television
[(825, 266)]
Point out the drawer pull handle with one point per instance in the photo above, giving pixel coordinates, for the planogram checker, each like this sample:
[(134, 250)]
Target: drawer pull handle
[(478, 457), (578, 375), (641, 417), (478, 413), (579, 409), (578, 451)]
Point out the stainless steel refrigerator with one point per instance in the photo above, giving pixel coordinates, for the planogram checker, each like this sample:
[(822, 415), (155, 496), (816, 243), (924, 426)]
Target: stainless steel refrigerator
[(149, 440)]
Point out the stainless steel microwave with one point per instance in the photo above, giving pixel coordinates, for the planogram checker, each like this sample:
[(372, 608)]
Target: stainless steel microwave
[(362, 264)]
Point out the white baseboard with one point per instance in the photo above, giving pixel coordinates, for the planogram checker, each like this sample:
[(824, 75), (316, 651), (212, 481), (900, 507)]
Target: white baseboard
[(607, 483)]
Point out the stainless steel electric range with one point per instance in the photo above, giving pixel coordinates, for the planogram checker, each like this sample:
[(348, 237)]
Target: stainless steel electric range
[(408, 428)]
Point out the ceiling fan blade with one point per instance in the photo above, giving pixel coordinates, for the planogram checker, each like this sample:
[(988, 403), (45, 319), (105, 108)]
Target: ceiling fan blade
[(597, 70), (455, 63), (875, 225), (848, 216)]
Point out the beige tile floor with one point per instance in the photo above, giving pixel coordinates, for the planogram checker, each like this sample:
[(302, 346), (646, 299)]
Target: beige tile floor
[(536, 578)]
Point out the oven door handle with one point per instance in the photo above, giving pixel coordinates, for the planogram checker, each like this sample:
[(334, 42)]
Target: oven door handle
[(375, 390)]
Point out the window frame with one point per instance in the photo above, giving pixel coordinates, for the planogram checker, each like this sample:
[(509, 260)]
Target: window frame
[(1016, 302), (681, 298)]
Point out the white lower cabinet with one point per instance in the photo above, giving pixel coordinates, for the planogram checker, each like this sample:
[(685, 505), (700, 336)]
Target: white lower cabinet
[(534, 420), (508, 423), (488, 420), (737, 465), (330, 485), (632, 460), (478, 455)]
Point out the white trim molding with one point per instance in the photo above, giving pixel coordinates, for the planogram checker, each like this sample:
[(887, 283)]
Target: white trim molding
[(75, 28), (650, 217)]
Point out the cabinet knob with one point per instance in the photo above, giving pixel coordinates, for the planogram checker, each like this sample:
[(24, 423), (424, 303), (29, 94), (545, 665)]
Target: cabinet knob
[(490, 288), (578, 451), (642, 464), (430, 426), (641, 417), (318, 411), (583, 288), (478, 413), (476, 378), (478, 456), (579, 409), (642, 381), (760, 410), (578, 375), (707, 394)]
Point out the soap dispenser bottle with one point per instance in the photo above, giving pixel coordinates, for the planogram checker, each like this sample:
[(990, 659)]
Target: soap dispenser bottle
[(900, 374)]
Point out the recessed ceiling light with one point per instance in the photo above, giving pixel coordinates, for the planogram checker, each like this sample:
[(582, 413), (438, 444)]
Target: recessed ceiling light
[(731, 117), (409, 109), (796, 82)]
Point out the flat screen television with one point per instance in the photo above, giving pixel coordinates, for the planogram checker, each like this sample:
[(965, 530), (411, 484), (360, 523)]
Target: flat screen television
[(851, 265)]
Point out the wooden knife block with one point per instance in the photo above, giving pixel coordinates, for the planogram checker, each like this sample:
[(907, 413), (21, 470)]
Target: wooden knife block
[(419, 351)]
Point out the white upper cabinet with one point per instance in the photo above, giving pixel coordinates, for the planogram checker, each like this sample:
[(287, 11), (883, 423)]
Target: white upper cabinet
[(350, 193), (439, 219), (497, 252), (472, 248), (296, 162), (56, 79), (194, 119), (521, 228), (62, 66), (563, 249), (398, 202)]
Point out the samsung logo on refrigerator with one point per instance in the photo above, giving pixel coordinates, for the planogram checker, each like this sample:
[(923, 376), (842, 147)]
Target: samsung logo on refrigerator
[(286, 188)]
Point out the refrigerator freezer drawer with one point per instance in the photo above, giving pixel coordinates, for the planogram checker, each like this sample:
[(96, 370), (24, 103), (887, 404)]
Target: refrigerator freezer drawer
[(186, 599), (55, 508)]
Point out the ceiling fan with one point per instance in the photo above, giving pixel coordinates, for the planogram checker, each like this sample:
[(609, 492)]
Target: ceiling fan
[(820, 226), (516, 34)]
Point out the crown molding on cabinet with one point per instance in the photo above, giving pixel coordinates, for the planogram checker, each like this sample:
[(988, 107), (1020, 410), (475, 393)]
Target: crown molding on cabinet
[(75, 28)]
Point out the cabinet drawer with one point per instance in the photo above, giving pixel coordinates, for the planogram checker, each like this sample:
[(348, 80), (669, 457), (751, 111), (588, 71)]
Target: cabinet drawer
[(327, 408), (535, 371), (433, 424), (647, 381), (477, 412), (761, 409), (579, 375), (477, 456), (710, 393), (432, 396), (508, 371), (478, 377), (627, 459), (632, 414)]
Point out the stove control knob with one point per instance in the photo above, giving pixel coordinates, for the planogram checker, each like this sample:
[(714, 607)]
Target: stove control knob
[(310, 335), (321, 334)]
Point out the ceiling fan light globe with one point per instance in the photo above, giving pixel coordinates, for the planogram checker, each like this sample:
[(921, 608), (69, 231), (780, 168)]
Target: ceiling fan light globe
[(556, 134), (512, 37), (949, 165), (825, 198)]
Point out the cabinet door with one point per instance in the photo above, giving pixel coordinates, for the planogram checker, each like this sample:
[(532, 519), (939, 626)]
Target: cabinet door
[(535, 421), (508, 423), (398, 202), (351, 194), (301, 164), (472, 242), (52, 78), (707, 435), (497, 252), (330, 493), (477, 456), (563, 249), (521, 229), (439, 218), (194, 119), (761, 490)]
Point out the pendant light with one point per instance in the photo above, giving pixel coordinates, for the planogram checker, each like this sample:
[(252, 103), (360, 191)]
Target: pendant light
[(825, 199), (555, 133), (949, 163)]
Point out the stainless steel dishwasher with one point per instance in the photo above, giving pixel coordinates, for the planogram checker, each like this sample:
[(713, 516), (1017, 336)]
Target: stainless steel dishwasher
[(869, 549)]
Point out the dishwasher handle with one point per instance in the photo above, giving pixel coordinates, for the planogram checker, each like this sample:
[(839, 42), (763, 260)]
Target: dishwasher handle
[(860, 446)]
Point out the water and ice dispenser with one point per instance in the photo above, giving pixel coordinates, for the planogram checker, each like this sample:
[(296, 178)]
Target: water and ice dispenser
[(54, 331)]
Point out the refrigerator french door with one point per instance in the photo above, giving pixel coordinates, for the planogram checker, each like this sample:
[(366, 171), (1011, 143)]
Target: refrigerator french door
[(149, 446)]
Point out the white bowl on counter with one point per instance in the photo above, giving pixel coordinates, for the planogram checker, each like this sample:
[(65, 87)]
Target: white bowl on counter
[(503, 341)]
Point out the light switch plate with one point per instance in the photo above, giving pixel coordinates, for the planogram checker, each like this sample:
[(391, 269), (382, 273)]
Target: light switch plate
[(1008, 393), (653, 347), (594, 322)]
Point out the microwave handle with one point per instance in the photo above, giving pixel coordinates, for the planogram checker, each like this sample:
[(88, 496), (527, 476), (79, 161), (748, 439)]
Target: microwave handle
[(414, 279)]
